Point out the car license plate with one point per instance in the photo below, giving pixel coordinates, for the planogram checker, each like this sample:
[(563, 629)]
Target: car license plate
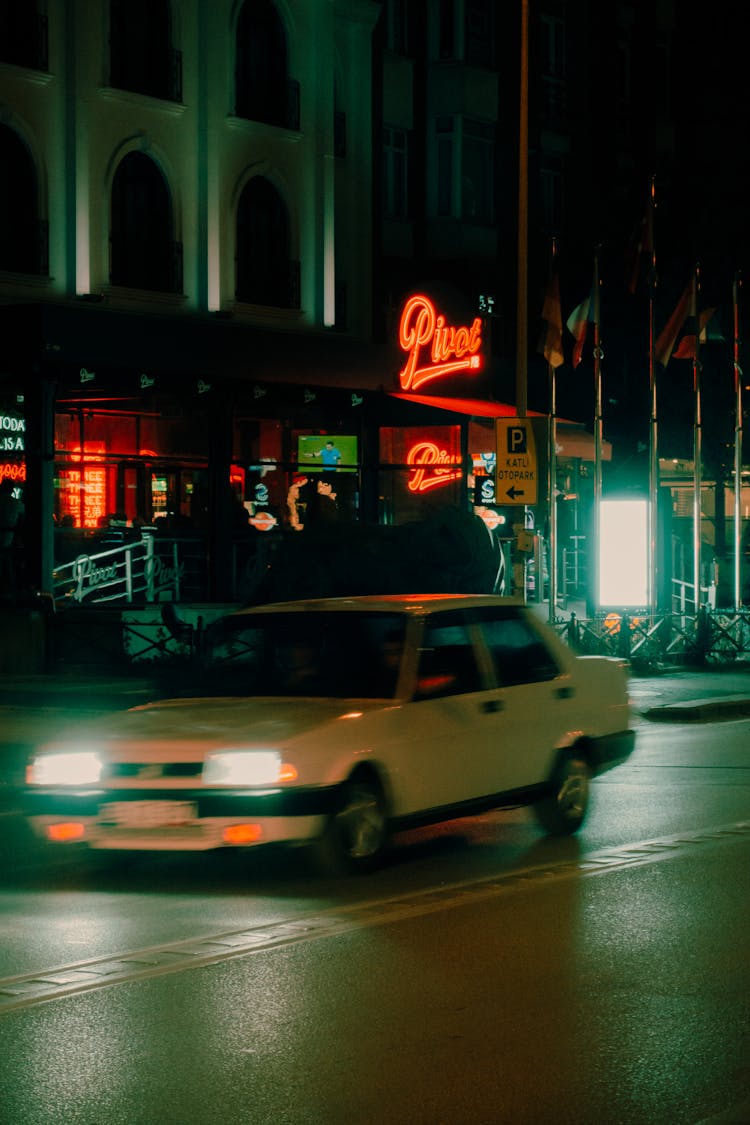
[(147, 814)]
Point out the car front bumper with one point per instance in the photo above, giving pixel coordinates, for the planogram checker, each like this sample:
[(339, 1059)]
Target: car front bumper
[(177, 819)]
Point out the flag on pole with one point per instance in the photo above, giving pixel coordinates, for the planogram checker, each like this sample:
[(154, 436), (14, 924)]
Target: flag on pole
[(686, 347), (578, 322), (551, 343), (668, 336)]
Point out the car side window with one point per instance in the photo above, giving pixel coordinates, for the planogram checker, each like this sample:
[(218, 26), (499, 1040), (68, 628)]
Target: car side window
[(518, 653), (447, 659)]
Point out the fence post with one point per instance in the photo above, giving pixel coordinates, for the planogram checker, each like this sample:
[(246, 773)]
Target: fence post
[(623, 640), (702, 634)]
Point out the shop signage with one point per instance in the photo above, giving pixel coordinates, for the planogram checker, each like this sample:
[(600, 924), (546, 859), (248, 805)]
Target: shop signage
[(516, 466), (12, 430), (433, 348), (431, 467), (12, 470)]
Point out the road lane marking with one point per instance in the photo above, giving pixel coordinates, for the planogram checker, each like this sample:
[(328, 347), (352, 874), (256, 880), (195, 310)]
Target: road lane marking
[(84, 976)]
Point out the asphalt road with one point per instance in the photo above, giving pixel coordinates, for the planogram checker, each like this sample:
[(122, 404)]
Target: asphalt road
[(487, 975)]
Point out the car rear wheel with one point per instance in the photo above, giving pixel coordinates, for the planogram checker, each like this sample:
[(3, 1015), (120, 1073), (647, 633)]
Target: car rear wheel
[(356, 835), (563, 810)]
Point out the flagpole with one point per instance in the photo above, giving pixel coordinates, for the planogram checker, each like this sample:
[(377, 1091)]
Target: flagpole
[(697, 452), (737, 441), (552, 480), (596, 521), (653, 469), (523, 204)]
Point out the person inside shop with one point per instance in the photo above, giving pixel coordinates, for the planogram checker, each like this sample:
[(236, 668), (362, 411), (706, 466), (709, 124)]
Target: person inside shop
[(12, 511), (330, 457)]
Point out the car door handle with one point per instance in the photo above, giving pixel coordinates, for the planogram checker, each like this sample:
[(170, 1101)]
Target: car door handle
[(490, 705), (566, 692)]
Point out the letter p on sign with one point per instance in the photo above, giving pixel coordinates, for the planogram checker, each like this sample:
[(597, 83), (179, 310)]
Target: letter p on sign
[(516, 436)]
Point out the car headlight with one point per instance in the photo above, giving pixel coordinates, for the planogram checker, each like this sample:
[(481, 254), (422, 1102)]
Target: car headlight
[(246, 767), (66, 767)]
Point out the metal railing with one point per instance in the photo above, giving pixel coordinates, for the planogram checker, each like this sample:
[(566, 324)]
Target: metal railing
[(712, 636)]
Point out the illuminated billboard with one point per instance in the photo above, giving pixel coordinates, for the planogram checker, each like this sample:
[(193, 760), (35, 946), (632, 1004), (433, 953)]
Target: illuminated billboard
[(623, 553)]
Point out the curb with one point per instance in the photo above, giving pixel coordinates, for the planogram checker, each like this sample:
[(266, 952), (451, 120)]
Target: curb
[(699, 710)]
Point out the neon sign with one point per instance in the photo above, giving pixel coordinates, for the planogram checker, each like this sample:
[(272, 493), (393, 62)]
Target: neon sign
[(84, 497), (13, 470), (431, 466), (434, 348)]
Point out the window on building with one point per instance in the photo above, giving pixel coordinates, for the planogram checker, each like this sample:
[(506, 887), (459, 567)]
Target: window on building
[(479, 33), (552, 66), (129, 470), (23, 236), (263, 90), (421, 472), (445, 129), (397, 29), (23, 34), (552, 194), (395, 164), (265, 273), (465, 169), (143, 253), (447, 30), (477, 171), (141, 55)]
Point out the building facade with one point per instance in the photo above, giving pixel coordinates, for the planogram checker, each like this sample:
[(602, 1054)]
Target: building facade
[(215, 215)]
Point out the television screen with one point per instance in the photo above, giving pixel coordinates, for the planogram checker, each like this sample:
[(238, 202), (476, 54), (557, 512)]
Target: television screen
[(327, 453)]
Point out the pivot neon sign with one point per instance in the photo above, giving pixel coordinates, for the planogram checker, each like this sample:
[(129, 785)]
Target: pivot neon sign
[(433, 347), (431, 466)]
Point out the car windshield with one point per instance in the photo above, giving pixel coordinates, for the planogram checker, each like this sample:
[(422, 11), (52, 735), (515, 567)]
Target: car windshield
[(343, 655)]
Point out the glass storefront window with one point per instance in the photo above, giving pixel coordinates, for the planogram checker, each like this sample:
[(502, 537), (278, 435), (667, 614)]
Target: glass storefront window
[(115, 469), (420, 471)]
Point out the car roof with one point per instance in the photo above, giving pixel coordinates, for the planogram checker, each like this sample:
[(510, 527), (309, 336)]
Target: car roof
[(412, 604)]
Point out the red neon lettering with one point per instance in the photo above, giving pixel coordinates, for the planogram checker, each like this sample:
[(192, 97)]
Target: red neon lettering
[(431, 466), (13, 470), (450, 349)]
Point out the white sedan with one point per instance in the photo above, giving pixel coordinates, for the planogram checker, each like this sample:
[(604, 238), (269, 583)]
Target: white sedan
[(339, 721)]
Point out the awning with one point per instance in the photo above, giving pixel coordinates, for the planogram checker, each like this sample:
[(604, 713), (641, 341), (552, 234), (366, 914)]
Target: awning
[(573, 440)]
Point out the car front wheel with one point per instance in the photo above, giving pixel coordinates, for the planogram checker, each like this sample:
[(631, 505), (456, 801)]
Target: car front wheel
[(563, 810), (356, 835)]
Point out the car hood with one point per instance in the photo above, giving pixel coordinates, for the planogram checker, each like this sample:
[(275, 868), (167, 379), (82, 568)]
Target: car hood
[(212, 721)]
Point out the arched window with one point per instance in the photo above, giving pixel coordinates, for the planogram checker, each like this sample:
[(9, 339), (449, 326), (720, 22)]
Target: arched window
[(23, 34), (141, 55), (23, 237), (265, 275), (144, 256), (263, 91)]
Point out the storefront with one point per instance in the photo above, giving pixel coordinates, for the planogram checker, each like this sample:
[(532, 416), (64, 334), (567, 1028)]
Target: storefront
[(161, 461)]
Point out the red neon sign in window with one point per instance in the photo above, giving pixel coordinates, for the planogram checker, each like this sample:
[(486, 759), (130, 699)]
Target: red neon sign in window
[(85, 500), (13, 470), (433, 347), (431, 466)]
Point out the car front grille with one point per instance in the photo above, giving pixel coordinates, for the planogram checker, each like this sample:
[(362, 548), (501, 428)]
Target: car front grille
[(153, 771)]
